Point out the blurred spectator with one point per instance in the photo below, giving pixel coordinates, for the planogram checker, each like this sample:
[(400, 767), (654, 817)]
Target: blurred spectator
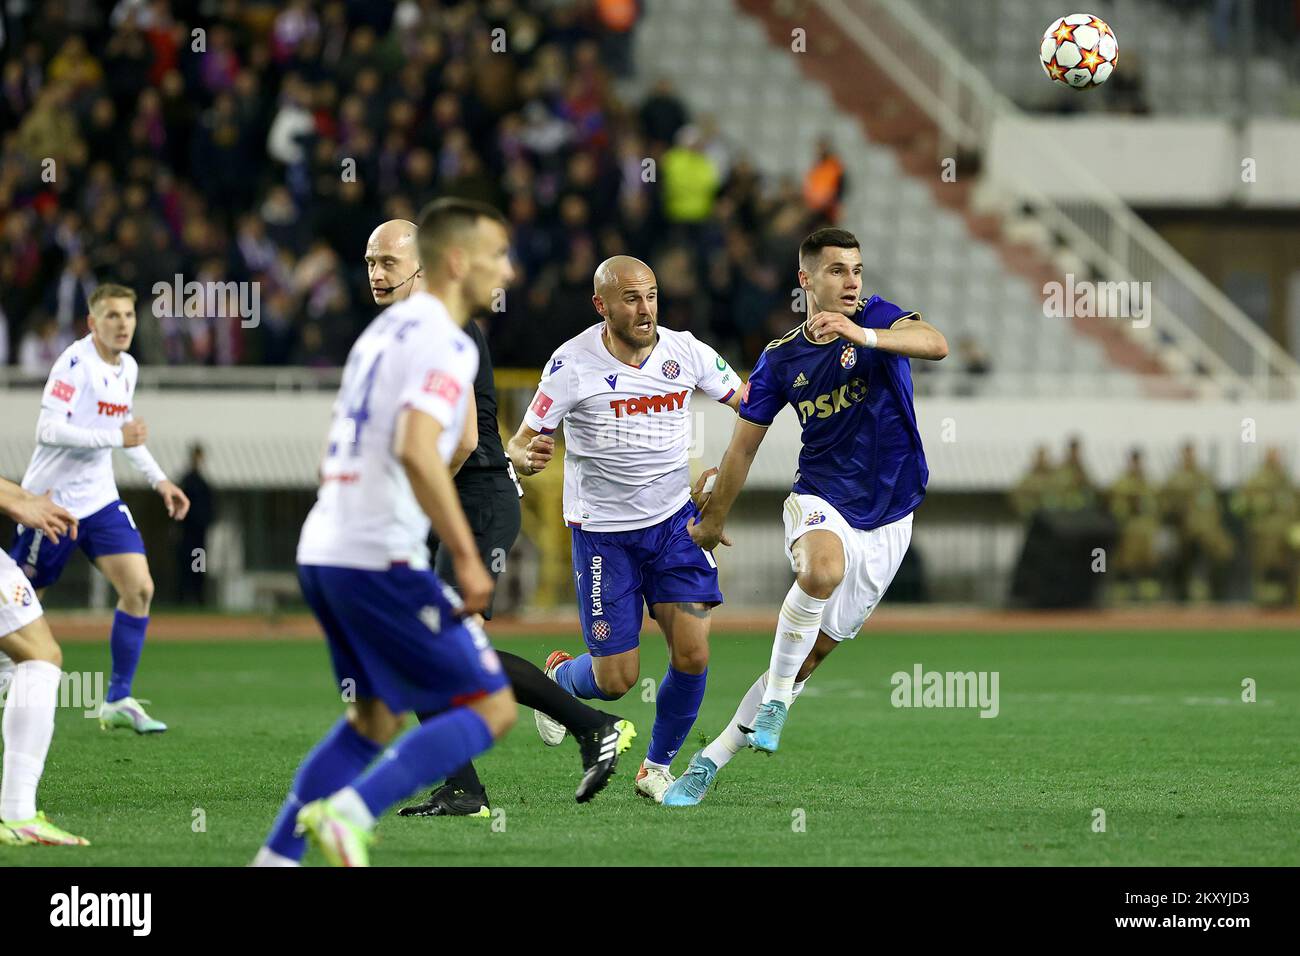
[(617, 18), (1033, 491), (974, 363), (823, 184), (662, 115), (40, 346), (192, 544), (1268, 505), (1135, 507), (1071, 488), (690, 180), (1190, 502)]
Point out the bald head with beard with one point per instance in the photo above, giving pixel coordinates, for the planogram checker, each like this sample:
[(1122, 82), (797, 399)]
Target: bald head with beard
[(627, 296), (392, 261)]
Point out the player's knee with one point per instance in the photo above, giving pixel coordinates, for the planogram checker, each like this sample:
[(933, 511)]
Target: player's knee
[(617, 684), (375, 723), (144, 593), (691, 660), (821, 577)]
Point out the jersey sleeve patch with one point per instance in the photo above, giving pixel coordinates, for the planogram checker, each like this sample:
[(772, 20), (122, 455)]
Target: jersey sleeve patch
[(542, 404), (62, 390), (445, 386)]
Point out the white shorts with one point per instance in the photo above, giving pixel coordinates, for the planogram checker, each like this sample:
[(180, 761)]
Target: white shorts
[(871, 559), (18, 603)]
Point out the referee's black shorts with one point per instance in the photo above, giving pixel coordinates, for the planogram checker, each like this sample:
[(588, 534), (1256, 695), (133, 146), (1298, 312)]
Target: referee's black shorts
[(491, 502)]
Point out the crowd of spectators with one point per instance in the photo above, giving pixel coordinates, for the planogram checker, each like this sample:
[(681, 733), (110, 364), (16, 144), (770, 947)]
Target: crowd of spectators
[(1179, 537), (257, 141)]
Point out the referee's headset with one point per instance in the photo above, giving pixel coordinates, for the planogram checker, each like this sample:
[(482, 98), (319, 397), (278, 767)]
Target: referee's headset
[(393, 288)]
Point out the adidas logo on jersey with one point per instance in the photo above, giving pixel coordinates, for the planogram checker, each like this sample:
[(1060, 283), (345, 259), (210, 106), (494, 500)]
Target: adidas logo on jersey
[(800, 381)]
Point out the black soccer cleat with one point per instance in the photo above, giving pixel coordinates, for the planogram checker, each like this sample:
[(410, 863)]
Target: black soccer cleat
[(600, 748), (448, 802)]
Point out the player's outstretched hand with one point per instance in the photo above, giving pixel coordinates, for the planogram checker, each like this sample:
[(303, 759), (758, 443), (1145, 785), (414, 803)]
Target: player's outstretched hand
[(42, 514), (134, 433), (538, 453), (706, 535), (474, 583), (825, 324), (178, 505)]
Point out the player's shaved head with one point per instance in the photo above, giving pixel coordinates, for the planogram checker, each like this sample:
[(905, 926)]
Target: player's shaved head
[(627, 297), (392, 260), (616, 272)]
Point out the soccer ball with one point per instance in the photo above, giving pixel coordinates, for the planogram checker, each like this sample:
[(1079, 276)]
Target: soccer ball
[(1079, 51)]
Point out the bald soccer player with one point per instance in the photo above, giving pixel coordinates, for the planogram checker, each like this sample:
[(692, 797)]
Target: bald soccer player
[(489, 495), (622, 389)]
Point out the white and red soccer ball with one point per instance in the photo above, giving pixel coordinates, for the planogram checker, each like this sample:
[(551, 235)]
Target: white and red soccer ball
[(1079, 51)]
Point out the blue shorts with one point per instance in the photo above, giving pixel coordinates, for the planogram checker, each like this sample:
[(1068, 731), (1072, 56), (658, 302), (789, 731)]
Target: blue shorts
[(394, 635), (110, 530), (617, 570)]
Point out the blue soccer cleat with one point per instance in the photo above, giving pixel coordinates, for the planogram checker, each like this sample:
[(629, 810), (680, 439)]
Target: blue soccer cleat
[(765, 735), (690, 788)]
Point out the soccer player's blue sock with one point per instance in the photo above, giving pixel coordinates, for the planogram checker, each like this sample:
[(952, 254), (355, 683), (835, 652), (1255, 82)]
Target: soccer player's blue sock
[(125, 644), (428, 753), (577, 677), (335, 762), (676, 708)]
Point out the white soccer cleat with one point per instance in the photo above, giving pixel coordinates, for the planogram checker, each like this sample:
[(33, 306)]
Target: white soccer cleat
[(129, 713), (549, 729), (653, 782)]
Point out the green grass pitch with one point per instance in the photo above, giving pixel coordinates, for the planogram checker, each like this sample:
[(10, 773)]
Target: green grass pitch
[(1150, 728)]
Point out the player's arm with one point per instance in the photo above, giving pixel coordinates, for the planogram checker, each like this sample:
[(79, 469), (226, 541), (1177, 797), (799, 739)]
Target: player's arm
[(910, 335), (530, 450), (415, 444), (175, 501), (53, 429), (36, 511), (532, 447), (468, 437), (745, 439)]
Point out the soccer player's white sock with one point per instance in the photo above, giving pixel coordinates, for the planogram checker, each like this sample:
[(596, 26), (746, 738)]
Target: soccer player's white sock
[(352, 808), (268, 857), (731, 741), (28, 727), (796, 633)]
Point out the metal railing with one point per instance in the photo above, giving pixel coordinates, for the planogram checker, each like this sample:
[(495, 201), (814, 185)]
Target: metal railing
[(1196, 330)]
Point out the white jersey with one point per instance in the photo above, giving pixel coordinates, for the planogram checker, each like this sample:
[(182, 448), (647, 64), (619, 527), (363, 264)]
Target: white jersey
[(85, 392), (627, 430), (413, 355)]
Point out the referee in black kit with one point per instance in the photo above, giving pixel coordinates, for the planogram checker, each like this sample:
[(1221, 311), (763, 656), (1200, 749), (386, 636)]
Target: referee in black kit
[(490, 497)]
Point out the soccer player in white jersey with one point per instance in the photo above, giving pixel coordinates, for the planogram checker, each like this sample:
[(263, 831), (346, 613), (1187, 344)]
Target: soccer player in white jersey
[(85, 414), (848, 521), (30, 666), (622, 390), (489, 496), (400, 639)]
